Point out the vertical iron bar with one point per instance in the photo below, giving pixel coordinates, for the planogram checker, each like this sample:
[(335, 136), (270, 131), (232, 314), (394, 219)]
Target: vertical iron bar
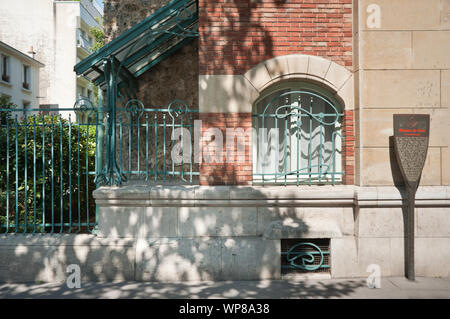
[(26, 173), (190, 149), (99, 140), (156, 147), (164, 148), (130, 142), (61, 204), (182, 151), (17, 176), (333, 150), (310, 141), (299, 135), (320, 148), (87, 172), (173, 163), (146, 144), (277, 149), (120, 140), (70, 174), (34, 174), (78, 177), (43, 173), (138, 137), (285, 148), (98, 159), (52, 174), (262, 147), (7, 173)]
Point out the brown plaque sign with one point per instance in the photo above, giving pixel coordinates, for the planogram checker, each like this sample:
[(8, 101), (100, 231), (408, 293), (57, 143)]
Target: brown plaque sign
[(411, 135), (408, 125)]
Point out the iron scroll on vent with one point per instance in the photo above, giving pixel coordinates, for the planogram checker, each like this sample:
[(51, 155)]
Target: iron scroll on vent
[(305, 256)]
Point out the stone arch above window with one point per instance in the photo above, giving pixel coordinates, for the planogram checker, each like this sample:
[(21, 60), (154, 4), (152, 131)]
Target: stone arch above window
[(315, 69), (236, 93)]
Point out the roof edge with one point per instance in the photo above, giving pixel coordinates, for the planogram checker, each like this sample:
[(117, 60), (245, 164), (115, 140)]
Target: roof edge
[(24, 56)]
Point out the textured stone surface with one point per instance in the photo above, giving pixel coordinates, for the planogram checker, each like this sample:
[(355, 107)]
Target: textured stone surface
[(400, 88), (430, 49), (227, 221), (403, 14), (45, 258), (380, 222), (386, 50), (445, 165), (411, 154), (344, 257)]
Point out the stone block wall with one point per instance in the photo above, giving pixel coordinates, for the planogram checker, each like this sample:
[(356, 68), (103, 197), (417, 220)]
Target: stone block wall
[(402, 67)]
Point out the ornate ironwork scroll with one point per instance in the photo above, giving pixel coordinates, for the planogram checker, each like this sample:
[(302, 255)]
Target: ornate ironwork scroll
[(305, 259), (298, 112)]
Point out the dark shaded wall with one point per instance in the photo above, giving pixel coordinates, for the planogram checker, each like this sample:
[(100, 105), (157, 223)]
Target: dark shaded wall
[(174, 78)]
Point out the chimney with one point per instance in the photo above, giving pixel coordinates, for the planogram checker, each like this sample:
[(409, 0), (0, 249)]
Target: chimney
[(32, 53)]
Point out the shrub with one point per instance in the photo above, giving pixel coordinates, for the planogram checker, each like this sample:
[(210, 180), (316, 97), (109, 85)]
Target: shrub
[(46, 160)]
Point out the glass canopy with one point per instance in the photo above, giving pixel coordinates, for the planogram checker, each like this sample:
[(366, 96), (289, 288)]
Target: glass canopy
[(144, 45)]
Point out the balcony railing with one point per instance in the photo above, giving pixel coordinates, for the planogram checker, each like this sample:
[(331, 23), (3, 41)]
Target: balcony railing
[(84, 43), (89, 15)]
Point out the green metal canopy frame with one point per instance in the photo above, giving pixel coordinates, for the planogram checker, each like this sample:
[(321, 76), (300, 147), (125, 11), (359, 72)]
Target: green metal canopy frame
[(119, 63)]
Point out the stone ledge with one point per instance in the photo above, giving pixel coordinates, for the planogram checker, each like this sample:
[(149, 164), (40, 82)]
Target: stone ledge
[(395, 197), (291, 228), (272, 196), (62, 240)]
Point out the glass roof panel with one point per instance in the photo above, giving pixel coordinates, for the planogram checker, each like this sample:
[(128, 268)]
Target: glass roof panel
[(146, 43)]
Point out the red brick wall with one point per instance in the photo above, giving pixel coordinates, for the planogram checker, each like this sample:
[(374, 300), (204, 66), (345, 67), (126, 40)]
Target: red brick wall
[(240, 173), (235, 35), (226, 173), (348, 147)]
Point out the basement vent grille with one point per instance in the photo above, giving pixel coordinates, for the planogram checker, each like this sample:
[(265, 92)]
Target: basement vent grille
[(305, 256)]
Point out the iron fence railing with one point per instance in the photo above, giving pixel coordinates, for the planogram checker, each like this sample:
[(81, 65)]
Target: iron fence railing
[(52, 159), (47, 171), (144, 143)]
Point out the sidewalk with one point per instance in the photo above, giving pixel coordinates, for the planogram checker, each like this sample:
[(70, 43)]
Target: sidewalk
[(391, 288)]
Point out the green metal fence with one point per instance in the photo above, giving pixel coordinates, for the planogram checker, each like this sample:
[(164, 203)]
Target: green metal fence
[(143, 144), (48, 170), (52, 159)]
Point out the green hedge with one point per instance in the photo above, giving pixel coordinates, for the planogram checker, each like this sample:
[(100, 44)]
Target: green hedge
[(77, 143)]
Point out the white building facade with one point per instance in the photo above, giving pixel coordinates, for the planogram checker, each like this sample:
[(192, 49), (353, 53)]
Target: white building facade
[(19, 79), (59, 33)]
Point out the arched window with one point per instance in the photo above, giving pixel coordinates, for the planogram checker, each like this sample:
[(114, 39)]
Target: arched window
[(298, 135)]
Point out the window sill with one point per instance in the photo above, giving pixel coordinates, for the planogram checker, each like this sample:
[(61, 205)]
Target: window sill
[(28, 91), (8, 84)]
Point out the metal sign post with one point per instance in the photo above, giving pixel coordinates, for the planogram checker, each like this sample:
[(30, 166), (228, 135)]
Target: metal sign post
[(411, 136)]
